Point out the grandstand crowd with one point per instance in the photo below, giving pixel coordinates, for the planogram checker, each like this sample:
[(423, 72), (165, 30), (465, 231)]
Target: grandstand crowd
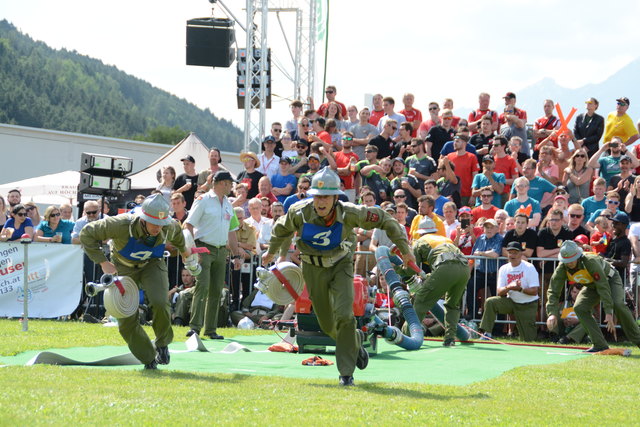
[(486, 180)]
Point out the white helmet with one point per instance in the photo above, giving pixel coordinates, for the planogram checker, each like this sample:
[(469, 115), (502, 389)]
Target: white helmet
[(246, 323), (426, 226), (325, 182), (155, 209)]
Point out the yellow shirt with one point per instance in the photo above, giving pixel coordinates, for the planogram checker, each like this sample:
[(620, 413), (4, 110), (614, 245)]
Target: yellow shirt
[(622, 127)]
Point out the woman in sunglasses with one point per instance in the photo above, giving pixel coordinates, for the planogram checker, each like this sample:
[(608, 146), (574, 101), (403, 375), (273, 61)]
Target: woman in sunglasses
[(577, 176), (17, 225), (33, 213), (54, 229)]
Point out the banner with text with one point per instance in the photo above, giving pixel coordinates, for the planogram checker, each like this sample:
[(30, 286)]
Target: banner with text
[(54, 274)]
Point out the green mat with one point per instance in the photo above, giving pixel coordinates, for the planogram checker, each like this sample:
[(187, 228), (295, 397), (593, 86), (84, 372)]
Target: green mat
[(432, 364)]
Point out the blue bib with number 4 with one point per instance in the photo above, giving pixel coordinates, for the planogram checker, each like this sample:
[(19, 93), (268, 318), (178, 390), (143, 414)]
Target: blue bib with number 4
[(322, 238), (138, 251)]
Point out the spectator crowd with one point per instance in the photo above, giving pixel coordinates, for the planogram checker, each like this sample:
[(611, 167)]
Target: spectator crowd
[(493, 182)]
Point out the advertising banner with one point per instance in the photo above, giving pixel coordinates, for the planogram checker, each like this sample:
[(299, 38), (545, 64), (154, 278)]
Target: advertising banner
[(54, 274)]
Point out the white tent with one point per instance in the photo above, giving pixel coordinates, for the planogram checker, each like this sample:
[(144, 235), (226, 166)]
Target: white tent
[(52, 189), (191, 145)]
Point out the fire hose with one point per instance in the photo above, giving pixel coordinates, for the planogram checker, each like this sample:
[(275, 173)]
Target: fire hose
[(121, 295), (402, 300)]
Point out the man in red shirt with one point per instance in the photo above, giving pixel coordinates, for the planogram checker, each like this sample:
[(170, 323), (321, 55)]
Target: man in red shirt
[(466, 165), (486, 208), (434, 120), (504, 163), (321, 134), (378, 112), (483, 109), (412, 115), (521, 115), (331, 92), (448, 105), (346, 161), (546, 124)]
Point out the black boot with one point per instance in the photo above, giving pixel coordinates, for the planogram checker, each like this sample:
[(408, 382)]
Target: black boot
[(346, 381), (162, 355)]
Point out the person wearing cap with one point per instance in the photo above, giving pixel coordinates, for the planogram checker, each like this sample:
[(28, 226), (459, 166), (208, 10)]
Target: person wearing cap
[(488, 247), (589, 127), (213, 223), (313, 165), (519, 116), (488, 179), (619, 250), (137, 249), (466, 165), (518, 286), (299, 160), (283, 182), (346, 161), (205, 177), (448, 278), (325, 227), (268, 161), (601, 283), (187, 183), (619, 124), (250, 175)]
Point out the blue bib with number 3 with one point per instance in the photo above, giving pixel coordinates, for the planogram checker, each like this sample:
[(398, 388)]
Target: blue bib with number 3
[(322, 238), (138, 251)]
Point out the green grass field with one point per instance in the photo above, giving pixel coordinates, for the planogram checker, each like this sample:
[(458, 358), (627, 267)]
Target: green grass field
[(593, 390)]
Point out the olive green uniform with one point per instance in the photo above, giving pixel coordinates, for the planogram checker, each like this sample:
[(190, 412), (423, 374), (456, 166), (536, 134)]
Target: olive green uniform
[(449, 276), (150, 275), (328, 273), (601, 283)]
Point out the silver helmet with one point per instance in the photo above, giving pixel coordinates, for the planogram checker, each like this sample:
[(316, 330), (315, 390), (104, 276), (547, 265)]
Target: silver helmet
[(325, 182), (155, 210)]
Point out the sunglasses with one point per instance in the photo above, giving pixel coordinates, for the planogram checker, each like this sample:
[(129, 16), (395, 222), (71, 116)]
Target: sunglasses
[(575, 215), (303, 188), (30, 208), (486, 195), (447, 118), (394, 127), (301, 147), (622, 104), (21, 214), (306, 125), (606, 216), (347, 138), (328, 91), (614, 202), (400, 196), (277, 130), (433, 108), (580, 155), (54, 215), (91, 212), (369, 151)]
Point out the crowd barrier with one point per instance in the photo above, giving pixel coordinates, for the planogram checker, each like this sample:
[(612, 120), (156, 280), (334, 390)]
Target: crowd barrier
[(56, 281)]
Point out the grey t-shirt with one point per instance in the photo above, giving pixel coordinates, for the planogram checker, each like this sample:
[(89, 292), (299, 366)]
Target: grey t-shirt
[(362, 131)]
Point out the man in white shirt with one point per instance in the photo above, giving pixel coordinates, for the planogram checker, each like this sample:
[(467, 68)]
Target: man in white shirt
[(213, 223), (269, 162), (518, 286)]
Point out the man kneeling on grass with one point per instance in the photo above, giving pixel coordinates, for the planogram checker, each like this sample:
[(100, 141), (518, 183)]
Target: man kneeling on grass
[(518, 286)]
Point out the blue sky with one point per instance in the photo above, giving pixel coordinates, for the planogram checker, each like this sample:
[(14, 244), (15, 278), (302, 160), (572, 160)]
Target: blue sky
[(433, 49)]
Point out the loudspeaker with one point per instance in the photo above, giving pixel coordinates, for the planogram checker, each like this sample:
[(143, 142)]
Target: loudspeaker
[(210, 41)]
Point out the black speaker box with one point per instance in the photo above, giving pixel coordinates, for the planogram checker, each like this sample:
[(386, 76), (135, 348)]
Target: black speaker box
[(210, 41)]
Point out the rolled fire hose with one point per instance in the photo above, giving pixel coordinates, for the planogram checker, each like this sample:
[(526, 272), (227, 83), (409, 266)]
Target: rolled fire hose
[(118, 304), (402, 300), (282, 283)]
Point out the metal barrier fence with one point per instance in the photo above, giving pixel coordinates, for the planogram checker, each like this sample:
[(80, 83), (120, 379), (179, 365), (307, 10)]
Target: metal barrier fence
[(481, 285)]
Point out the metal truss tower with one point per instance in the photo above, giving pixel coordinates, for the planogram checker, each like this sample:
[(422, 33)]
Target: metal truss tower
[(257, 51)]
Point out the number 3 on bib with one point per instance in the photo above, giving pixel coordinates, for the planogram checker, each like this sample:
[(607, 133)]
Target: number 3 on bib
[(322, 239)]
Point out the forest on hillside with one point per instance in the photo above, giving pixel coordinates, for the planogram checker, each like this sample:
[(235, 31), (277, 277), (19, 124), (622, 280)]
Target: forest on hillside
[(58, 89)]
